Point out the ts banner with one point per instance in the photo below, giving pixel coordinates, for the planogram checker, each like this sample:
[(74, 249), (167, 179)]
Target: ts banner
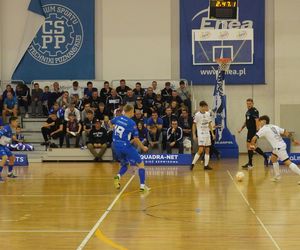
[(203, 40), (63, 47)]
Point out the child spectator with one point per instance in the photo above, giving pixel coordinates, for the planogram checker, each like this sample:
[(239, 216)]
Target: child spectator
[(73, 130), (36, 104), (45, 101), (97, 140)]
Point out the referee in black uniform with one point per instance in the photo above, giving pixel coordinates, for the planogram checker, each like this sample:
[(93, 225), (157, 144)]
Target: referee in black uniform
[(251, 123)]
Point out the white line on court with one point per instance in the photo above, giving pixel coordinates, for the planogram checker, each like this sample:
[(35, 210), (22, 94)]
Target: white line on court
[(253, 211), (94, 229), (44, 231), (54, 195)]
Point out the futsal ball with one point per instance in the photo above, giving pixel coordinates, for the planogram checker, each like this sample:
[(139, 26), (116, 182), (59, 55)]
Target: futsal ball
[(239, 176)]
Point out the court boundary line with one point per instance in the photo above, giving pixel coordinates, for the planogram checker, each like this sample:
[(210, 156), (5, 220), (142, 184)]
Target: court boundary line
[(98, 223), (253, 212)]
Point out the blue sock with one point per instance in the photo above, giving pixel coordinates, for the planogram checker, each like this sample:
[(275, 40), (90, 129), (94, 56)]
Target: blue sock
[(142, 175), (10, 168), (1, 168), (123, 170)]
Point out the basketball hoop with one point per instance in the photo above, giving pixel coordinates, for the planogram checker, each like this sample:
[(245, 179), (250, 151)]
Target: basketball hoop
[(224, 63)]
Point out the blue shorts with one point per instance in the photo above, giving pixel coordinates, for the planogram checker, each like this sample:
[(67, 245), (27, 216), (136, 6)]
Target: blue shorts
[(5, 151), (127, 154)]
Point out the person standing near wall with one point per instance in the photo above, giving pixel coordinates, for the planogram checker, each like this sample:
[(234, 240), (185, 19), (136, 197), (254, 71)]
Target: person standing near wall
[(252, 125)]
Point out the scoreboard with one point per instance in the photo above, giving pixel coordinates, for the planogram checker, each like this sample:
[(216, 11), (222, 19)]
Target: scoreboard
[(223, 9)]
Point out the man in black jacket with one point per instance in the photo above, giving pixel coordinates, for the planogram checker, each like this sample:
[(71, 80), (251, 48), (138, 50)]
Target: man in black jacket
[(174, 138), (97, 140)]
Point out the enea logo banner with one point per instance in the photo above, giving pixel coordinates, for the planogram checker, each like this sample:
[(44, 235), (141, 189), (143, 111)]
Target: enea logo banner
[(203, 40), (63, 48)]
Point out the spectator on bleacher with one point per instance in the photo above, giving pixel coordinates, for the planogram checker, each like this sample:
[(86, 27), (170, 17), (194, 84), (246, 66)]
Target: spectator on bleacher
[(77, 102), (53, 128), (167, 118), (118, 111), (176, 109), (139, 105), (88, 91), (94, 100), (36, 103), (72, 110), (88, 124), (76, 90), (45, 100), (73, 130), (185, 95), (18, 142), (166, 93), (129, 98), (87, 106), (158, 105), (8, 88), (113, 102), (148, 101), (175, 97), (186, 122), (139, 117), (143, 133), (138, 91), (105, 92), (55, 94), (58, 110), (65, 100), (174, 138), (97, 140), (154, 126), (10, 106), (23, 96), (156, 90), (122, 89), (101, 112), (109, 129)]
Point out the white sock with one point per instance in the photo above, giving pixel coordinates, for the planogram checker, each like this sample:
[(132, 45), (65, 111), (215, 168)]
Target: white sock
[(294, 168), (276, 168), (196, 158), (119, 176), (206, 159), (142, 186)]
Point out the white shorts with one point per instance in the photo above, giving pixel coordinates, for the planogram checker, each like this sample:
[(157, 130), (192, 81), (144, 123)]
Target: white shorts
[(204, 140), (281, 153)]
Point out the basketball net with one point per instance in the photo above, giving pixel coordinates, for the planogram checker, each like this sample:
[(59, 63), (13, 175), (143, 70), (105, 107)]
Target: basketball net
[(224, 64)]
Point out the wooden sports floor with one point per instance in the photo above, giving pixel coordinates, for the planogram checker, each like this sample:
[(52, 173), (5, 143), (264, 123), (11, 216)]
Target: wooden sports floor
[(56, 205)]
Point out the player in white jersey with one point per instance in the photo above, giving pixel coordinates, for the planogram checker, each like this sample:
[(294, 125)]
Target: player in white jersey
[(203, 125), (274, 135)]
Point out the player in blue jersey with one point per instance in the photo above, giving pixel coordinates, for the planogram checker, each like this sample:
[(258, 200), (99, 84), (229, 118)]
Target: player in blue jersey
[(124, 130), (5, 153)]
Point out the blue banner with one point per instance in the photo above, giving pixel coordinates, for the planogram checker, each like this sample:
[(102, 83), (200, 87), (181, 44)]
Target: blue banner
[(63, 48), (21, 160), (167, 159), (203, 40)]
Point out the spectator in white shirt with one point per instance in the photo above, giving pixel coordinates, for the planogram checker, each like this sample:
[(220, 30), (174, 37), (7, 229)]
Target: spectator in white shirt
[(72, 110), (76, 90)]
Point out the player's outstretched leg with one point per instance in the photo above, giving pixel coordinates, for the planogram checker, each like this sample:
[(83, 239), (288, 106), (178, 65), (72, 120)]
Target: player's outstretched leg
[(123, 170), (266, 160), (292, 167), (11, 163), (142, 175), (275, 163)]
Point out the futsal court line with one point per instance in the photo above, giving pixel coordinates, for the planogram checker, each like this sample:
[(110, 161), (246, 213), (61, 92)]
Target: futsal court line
[(44, 231), (254, 213), (98, 223)]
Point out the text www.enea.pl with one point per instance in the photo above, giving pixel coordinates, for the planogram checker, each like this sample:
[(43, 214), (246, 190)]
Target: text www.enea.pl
[(233, 72)]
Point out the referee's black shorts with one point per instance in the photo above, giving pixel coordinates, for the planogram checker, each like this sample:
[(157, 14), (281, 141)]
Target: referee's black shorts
[(251, 133)]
